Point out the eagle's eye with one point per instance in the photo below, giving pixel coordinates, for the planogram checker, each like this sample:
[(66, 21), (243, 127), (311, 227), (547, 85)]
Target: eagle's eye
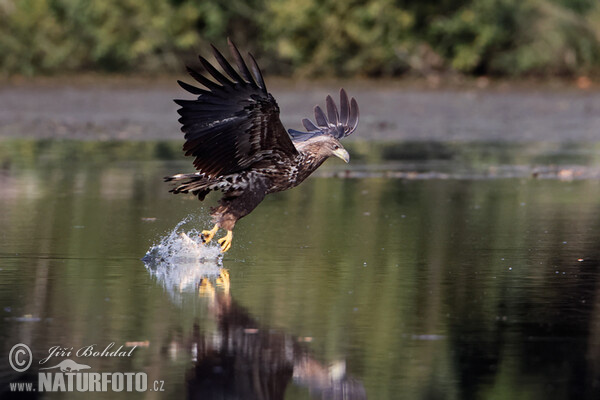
[(336, 147)]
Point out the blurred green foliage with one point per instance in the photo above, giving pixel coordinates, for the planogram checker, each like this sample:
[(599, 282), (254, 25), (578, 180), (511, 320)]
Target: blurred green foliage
[(330, 37), (518, 37)]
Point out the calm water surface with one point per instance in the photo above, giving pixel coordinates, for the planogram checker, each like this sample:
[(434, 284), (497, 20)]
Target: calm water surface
[(426, 271)]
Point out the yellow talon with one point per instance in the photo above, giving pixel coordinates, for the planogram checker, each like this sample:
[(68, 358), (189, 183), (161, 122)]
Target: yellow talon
[(208, 235), (225, 242)]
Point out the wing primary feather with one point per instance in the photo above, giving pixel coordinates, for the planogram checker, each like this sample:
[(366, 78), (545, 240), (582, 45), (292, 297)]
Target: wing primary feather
[(353, 122), (225, 65), (320, 117), (332, 112), (192, 89), (344, 107), (184, 103), (308, 124), (240, 63), (257, 74), (234, 122), (333, 123), (214, 72), (203, 80)]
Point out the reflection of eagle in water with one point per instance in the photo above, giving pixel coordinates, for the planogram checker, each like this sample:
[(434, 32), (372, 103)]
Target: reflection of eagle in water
[(241, 147)]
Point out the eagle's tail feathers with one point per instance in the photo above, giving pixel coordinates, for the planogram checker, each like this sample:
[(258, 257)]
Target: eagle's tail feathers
[(196, 183), (189, 183), (180, 177)]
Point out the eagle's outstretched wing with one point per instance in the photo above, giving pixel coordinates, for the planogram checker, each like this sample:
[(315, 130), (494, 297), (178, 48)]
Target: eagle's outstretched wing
[(337, 124), (235, 121)]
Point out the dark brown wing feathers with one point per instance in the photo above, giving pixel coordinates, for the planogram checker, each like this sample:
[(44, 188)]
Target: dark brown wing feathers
[(234, 122), (240, 63)]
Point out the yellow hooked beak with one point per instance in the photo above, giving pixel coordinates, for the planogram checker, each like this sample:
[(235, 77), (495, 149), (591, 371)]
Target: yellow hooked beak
[(342, 153)]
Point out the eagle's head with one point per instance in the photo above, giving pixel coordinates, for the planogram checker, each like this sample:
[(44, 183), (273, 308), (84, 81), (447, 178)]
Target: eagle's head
[(324, 146), (337, 149)]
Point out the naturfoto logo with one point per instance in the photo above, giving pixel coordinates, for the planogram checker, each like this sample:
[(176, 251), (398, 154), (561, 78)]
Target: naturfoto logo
[(69, 375)]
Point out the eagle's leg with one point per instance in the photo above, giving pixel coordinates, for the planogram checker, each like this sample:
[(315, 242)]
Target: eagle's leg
[(208, 235), (225, 241), (235, 205)]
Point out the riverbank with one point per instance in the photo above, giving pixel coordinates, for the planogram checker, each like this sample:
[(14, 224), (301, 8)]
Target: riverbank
[(142, 109)]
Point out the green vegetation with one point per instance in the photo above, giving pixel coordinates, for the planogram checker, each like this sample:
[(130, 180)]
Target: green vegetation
[(331, 37)]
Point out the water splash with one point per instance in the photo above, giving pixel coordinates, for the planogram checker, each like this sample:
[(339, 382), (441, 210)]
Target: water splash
[(179, 261)]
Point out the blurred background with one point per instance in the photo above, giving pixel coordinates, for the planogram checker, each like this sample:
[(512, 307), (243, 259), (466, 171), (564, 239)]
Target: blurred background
[(375, 38)]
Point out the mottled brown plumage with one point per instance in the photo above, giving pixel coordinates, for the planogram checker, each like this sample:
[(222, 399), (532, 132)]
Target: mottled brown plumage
[(240, 146)]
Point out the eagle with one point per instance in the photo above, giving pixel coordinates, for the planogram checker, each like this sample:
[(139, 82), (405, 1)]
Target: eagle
[(239, 145)]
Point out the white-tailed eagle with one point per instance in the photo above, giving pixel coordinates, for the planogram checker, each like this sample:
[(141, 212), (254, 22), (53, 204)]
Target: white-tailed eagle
[(240, 146)]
